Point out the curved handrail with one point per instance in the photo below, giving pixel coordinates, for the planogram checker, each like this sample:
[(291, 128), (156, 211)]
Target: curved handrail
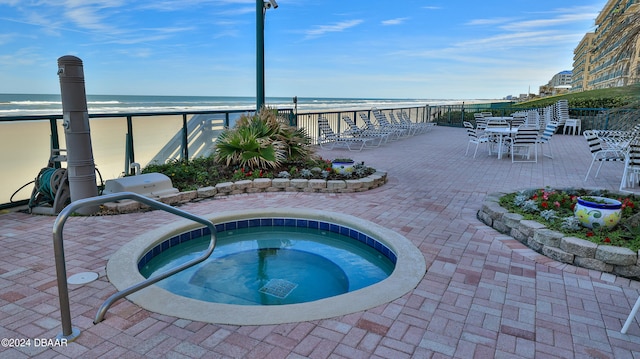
[(67, 331)]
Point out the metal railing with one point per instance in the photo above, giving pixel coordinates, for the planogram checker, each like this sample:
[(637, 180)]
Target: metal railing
[(68, 332), (159, 136), (163, 136), (122, 140)]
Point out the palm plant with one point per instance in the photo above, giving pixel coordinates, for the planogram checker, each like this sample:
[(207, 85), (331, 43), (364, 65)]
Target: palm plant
[(261, 142), (297, 143), (247, 148)]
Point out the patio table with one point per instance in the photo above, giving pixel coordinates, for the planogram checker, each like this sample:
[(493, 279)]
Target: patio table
[(501, 132), (507, 119)]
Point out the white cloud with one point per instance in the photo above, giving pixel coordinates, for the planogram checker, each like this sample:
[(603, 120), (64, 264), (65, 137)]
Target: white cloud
[(484, 22), (396, 21), (557, 21), (530, 38), (238, 11), (338, 27)]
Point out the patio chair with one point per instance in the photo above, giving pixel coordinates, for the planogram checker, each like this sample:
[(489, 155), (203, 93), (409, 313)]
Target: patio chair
[(562, 116), (632, 315), (525, 139), (547, 114), (545, 138), (394, 134), (377, 137), (631, 173), (518, 120), (412, 130), (574, 125), (600, 153), (533, 118), (481, 124), (383, 122), (329, 139), (421, 127), (475, 138)]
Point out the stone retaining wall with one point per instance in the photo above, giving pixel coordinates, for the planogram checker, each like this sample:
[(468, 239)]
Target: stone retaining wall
[(553, 244), (258, 185)]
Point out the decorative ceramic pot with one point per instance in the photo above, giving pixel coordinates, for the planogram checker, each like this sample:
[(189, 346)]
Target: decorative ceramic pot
[(342, 167), (596, 212)]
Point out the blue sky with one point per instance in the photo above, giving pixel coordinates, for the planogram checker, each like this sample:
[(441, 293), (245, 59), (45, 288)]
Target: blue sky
[(425, 49)]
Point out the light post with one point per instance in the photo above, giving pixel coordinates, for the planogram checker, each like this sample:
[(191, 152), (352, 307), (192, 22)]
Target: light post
[(261, 8)]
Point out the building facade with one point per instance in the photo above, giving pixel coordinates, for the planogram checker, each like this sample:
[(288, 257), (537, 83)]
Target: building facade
[(561, 79), (559, 83), (599, 61), (582, 63)]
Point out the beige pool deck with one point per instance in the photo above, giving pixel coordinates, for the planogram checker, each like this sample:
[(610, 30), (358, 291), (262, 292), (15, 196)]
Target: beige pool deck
[(484, 294)]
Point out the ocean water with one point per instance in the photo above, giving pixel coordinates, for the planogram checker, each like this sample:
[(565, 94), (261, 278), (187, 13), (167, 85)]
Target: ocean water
[(41, 104)]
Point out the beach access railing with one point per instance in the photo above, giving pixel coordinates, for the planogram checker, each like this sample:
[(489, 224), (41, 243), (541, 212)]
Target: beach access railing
[(120, 141), (123, 142)]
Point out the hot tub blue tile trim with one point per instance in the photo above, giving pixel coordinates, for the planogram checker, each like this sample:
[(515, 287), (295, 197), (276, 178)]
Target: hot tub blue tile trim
[(267, 222)]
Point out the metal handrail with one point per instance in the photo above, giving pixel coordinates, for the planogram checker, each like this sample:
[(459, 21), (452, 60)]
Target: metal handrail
[(68, 332)]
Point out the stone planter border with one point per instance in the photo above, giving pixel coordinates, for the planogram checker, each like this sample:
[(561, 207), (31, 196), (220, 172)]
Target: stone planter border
[(256, 186), (575, 251)]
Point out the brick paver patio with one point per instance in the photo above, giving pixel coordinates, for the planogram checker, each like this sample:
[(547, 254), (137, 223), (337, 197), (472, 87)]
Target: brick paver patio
[(484, 294)]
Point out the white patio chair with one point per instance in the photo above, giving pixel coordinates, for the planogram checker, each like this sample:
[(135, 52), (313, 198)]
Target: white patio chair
[(547, 114), (475, 138), (533, 118), (422, 127), (383, 122), (518, 120), (632, 315), (412, 130), (329, 139), (562, 115), (574, 125), (631, 173), (525, 139), (393, 134), (600, 153), (377, 137), (545, 138)]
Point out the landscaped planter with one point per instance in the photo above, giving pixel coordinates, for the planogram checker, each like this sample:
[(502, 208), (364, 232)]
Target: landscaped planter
[(555, 245), (596, 212)]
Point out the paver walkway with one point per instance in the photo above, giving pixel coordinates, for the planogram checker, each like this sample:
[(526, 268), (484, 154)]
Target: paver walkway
[(484, 295)]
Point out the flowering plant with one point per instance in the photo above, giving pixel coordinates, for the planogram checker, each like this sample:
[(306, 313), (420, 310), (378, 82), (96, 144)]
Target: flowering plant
[(546, 199)]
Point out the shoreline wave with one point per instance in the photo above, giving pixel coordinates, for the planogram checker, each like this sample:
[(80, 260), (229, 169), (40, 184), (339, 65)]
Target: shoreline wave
[(30, 105)]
